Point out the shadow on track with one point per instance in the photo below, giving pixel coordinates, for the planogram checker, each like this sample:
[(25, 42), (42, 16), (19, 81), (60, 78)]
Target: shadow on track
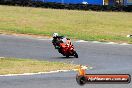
[(63, 58)]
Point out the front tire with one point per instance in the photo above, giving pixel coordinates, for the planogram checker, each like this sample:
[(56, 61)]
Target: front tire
[(67, 56), (75, 54)]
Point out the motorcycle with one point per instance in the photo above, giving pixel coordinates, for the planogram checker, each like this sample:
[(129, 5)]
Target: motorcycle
[(67, 48)]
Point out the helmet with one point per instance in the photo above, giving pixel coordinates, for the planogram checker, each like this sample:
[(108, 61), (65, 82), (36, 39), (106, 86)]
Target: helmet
[(55, 34)]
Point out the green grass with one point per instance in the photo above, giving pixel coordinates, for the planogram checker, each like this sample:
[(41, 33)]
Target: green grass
[(18, 66), (87, 25)]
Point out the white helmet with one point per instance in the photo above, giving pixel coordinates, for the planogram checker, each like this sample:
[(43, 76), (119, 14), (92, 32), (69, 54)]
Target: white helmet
[(55, 34)]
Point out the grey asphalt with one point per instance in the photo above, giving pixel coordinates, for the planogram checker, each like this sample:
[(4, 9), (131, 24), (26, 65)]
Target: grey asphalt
[(104, 58)]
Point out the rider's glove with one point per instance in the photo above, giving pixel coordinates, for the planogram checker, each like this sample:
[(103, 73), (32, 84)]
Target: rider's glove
[(57, 47)]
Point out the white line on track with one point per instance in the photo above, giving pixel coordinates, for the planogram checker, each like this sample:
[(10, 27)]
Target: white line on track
[(81, 41), (112, 43), (96, 42), (2, 57), (125, 44), (44, 39), (24, 74)]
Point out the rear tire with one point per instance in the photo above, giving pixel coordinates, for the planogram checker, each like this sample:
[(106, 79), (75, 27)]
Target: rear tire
[(75, 54)]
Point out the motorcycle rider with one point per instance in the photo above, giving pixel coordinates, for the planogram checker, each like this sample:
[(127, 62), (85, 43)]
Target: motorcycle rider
[(66, 48), (57, 40)]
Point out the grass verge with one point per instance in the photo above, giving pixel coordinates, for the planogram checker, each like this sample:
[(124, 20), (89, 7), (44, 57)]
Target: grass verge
[(87, 25), (19, 66)]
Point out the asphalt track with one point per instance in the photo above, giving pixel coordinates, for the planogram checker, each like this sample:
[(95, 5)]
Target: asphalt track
[(104, 58)]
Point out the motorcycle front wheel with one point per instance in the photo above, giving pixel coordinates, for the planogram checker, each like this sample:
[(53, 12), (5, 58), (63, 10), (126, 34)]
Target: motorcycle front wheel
[(67, 56), (75, 54)]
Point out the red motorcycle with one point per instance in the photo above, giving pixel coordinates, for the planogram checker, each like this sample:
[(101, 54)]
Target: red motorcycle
[(67, 48)]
